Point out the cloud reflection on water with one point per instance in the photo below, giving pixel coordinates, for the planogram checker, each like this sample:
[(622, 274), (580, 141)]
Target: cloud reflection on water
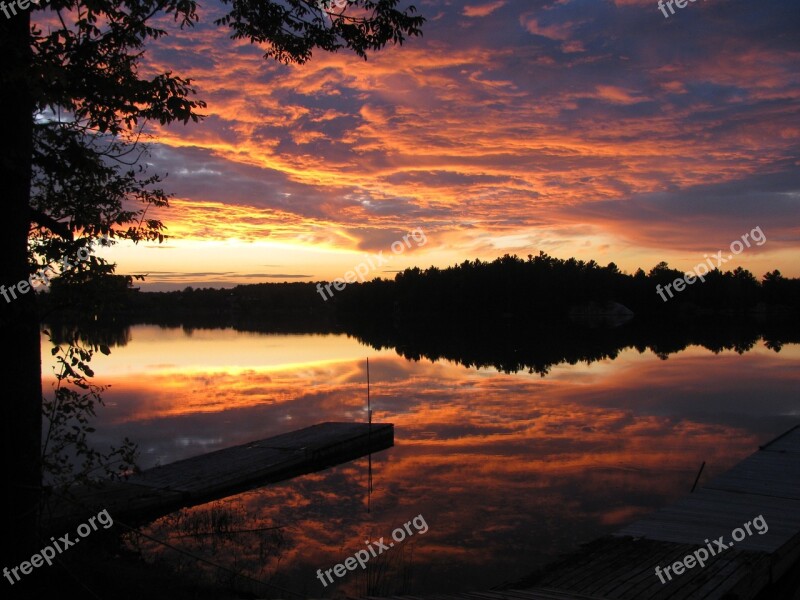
[(507, 469)]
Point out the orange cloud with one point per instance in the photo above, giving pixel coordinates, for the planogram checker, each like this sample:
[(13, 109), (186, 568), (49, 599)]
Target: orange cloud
[(483, 10)]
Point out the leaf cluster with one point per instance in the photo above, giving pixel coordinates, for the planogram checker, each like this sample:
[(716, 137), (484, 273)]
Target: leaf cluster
[(68, 457), (292, 29)]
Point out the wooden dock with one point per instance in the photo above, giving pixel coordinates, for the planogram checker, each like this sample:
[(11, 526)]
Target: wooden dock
[(622, 566), (162, 490)]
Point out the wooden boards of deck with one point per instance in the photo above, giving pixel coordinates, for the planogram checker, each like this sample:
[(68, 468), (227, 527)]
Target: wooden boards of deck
[(767, 484), (161, 490), (266, 461), (622, 566)]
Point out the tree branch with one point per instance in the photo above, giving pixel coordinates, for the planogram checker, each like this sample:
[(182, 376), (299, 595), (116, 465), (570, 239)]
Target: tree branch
[(43, 220)]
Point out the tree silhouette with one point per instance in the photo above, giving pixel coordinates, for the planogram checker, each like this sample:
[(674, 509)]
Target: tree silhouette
[(75, 105)]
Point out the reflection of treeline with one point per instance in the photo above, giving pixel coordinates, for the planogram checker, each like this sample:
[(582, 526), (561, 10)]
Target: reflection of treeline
[(511, 346)]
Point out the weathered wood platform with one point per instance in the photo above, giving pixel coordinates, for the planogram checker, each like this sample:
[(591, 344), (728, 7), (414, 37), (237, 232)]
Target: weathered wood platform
[(161, 490), (622, 566)]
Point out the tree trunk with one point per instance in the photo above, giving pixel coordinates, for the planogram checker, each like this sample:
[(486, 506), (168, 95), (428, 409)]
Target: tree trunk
[(21, 415)]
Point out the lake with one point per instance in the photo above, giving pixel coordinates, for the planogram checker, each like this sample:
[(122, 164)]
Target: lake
[(507, 470)]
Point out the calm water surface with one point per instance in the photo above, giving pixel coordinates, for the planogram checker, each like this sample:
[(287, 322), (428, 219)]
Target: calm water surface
[(507, 470)]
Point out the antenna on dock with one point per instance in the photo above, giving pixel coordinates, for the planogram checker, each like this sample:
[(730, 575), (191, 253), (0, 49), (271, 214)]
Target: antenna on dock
[(369, 438), (696, 479)]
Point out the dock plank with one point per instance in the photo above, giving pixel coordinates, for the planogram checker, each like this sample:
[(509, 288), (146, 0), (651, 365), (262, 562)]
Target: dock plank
[(161, 490)]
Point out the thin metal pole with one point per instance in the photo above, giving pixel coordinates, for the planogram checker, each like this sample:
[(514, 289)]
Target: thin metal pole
[(369, 441), (696, 479)]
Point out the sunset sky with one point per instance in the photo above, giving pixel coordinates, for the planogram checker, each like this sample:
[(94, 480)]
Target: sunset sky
[(590, 128)]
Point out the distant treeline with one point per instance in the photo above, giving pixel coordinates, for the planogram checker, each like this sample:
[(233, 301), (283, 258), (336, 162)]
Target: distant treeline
[(543, 287), (537, 289)]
